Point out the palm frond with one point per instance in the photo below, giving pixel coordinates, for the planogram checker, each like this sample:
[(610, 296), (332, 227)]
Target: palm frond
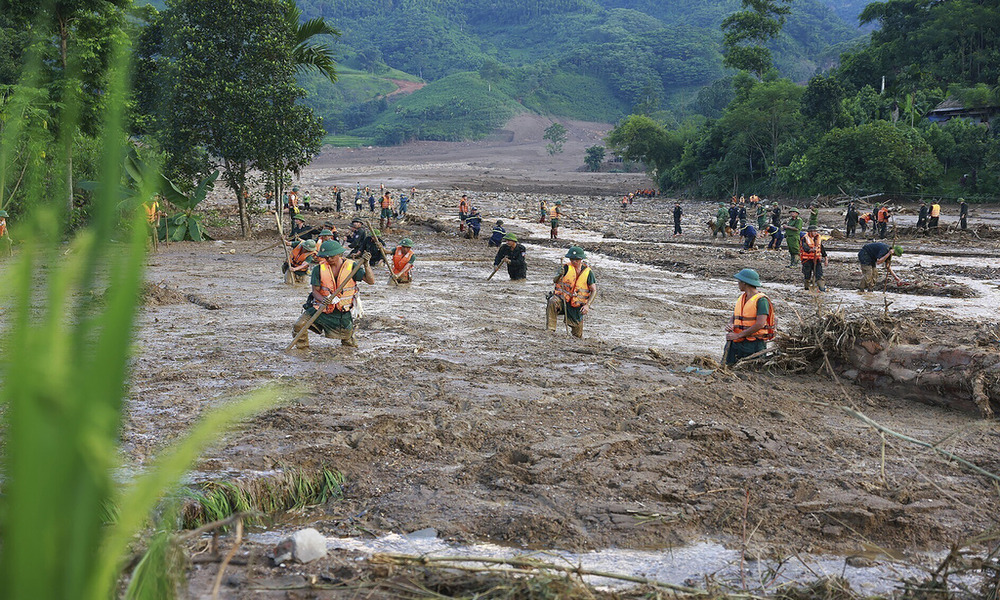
[(313, 27)]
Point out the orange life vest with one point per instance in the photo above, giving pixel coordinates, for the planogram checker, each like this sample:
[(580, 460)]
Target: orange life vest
[(297, 257), (554, 212), (328, 283), (573, 288), (935, 210), (400, 260), (293, 199), (386, 202), (745, 315), (3, 227), (883, 215), (811, 247), (463, 206)]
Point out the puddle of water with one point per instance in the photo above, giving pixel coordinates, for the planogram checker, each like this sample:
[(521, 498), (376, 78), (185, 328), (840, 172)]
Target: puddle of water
[(685, 565)]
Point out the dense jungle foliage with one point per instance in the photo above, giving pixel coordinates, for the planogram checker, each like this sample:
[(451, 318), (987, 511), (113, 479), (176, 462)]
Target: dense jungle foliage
[(841, 131)]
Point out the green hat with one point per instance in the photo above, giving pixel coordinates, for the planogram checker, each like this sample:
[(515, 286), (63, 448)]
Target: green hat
[(328, 224), (960, 200), (3, 213), (793, 209), (295, 188), (576, 252), (330, 248), (326, 232), (812, 228), (309, 245), (510, 237), (299, 218), (897, 250), (749, 277), (406, 243), (558, 201)]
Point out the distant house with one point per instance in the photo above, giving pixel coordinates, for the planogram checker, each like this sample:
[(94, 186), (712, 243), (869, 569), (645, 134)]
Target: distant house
[(952, 108)]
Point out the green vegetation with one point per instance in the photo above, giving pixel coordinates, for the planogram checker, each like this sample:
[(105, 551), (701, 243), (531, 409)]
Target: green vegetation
[(594, 158), (556, 135), (770, 135), (66, 368), (263, 497), (457, 107), (585, 59)]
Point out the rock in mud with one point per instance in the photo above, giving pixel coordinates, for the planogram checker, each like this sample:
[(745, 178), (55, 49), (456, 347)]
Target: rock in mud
[(305, 546)]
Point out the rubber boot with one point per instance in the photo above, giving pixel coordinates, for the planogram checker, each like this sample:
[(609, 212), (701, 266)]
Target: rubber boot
[(300, 323), (575, 328), (552, 309), (807, 285), (820, 285)]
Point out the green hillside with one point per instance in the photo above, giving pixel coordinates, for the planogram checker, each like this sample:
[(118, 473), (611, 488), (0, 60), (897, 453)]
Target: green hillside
[(588, 59)]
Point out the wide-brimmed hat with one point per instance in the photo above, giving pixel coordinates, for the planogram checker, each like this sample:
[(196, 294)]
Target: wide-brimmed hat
[(749, 277), (897, 250), (330, 248), (812, 228), (575, 252), (3, 213), (406, 243), (325, 232), (309, 245), (510, 237)]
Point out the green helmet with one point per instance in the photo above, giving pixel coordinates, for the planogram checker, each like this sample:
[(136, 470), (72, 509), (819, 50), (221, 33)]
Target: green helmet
[(749, 277), (295, 188), (897, 250), (559, 202), (575, 252), (326, 232), (406, 243), (309, 245), (510, 237), (4, 214), (330, 248)]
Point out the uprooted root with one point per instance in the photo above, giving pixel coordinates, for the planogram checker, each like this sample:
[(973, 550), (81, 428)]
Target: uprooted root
[(832, 335)]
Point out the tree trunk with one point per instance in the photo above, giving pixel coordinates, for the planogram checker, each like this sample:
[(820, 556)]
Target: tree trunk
[(64, 59)]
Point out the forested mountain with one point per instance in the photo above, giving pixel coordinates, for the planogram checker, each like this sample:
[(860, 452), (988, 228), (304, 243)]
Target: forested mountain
[(590, 59)]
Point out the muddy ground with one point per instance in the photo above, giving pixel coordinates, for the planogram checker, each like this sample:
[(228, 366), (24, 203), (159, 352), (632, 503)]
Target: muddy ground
[(460, 412)]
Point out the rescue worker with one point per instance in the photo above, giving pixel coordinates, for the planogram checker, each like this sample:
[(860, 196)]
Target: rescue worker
[(864, 221), (963, 214), (922, 215), (371, 203), (333, 229), (357, 199), (792, 230), (814, 214), (776, 236), (512, 253), (761, 215), (813, 256), (678, 211), (749, 235), (385, 217), (339, 197), (357, 239), (775, 215), (475, 223), (882, 221), (333, 270), (935, 217), (752, 323), (851, 220), (300, 230), (871, 256), (326, 235), (296, 268), (720, 221), (554, 216), (404, 204), (496, 236), (575, 289), (402, 261), (463, 212), (293, 202), (543, 210)]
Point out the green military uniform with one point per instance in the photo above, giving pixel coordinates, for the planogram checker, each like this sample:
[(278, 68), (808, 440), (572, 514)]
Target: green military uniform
[(792, 230), (559, 306), (720, 220), (336, 324), (814, 217)]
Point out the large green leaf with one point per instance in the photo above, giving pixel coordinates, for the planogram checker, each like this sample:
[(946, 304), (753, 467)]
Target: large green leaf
[(194, 227)]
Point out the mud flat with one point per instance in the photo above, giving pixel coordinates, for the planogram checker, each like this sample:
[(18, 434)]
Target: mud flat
[(459, 412)]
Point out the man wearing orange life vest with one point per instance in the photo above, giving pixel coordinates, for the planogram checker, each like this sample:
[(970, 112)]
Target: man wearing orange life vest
[(882, 221), (463, 212), (935, 216), (402, 261), (385, 217), (576, 288), (332, 270), (752, 323), (813, 256), (297, 267)]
